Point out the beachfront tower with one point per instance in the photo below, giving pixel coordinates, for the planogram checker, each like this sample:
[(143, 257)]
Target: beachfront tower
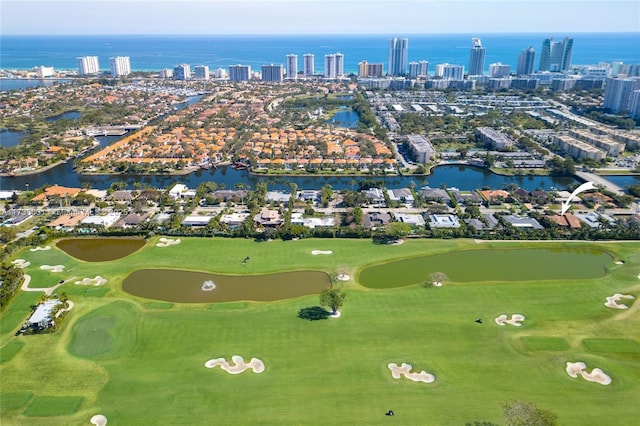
[(556, 56), (476, 57), (239, 72), (182, 72), (308, 67), (292, 66), (499, 70), (330, 66), (201, 72), (339, 65), (120, 66), (418, 69), (526, 61), (398, 56), (272, 73), (88, 65)]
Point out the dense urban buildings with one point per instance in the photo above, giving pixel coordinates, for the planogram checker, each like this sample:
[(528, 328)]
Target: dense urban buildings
[(88, 65), (499, 70), (621, 95), (418, 69), (365, 69), (476, 57), (398, 56), (556, 56), (120, 66)]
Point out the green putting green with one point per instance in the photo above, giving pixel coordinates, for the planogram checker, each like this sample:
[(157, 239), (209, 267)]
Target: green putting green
[(144, 363), (626, 346)]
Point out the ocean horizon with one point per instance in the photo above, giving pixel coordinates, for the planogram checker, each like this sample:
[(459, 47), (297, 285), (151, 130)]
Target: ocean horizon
[(155, 52)]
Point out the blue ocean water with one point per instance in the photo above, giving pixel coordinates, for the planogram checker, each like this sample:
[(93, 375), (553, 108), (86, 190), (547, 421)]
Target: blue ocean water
[(154, 52)]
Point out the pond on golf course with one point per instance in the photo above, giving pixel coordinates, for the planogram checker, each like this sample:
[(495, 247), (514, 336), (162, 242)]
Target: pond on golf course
[(549, 263), (199, 287), (100, 249)]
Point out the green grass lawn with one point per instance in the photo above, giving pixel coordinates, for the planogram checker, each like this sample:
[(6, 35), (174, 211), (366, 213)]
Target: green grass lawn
[(139, 361)]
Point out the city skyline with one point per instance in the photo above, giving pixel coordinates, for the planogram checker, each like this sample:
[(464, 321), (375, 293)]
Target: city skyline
[(39, 17)]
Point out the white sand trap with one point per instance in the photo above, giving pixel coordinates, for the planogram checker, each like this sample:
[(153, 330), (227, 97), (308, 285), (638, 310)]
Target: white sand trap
[(515, 320), (20, 263), (338, 314), (612, 301), (405, 369), (316, 252), (343, 277), (620, 262), (208, 286), (397, 242), (577, 368), (166, 242), (41, 248), (237, 366), (54, 268), (97, 280), (436, 284), (98, 420)]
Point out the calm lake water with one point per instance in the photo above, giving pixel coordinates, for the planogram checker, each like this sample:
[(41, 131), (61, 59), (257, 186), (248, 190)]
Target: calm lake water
[(9, 138), (187, 286), (7, 84), (551, 263), (100, 249)]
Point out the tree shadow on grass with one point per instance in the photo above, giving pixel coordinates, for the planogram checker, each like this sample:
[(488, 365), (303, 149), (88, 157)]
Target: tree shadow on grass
[(313, 313)]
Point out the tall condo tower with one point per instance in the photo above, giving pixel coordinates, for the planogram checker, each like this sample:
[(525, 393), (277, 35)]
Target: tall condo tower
[(339, 65), (476, 57), (87, 65), (292, 66), (182, 72), (201, 72), (239, 72), (120, 66), (526, 61), (556, 55), (330, 66), (272, 73), (398, 56), (308, 66)]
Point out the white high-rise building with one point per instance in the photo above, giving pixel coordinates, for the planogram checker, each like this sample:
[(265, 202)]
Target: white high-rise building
[(201, 72), (88, 65), (44, 72), (450, 72), (330, 66), (182, 72), (476, 57), (618, 93), (220, 73), (526, 61), (308, 66), (398, 56), (499, 70), (556, 56), (120, 66), (292, 66), (418, 69), (339, 65)]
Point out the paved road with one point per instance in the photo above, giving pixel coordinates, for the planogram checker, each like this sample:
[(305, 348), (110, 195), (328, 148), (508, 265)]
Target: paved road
[(599, 180)]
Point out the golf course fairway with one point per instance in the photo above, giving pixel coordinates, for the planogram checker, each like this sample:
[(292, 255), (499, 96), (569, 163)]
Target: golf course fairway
[(139, 361)]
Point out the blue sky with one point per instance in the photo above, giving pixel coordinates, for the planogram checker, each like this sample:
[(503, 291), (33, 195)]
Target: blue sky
[(316, 16)]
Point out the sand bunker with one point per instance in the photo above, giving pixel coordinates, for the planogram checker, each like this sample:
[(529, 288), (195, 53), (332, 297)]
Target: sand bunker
[(208, 286), (41, 248), (20, 263), (612, 301), (405, 369), (166, 242), (596, 375), (98, 420), (54, 268), (237, 366), (515, 320), (620, 262), (97, 280), (397, 242), (338, 314), (343, 277), (316, 252), (436, 284)]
